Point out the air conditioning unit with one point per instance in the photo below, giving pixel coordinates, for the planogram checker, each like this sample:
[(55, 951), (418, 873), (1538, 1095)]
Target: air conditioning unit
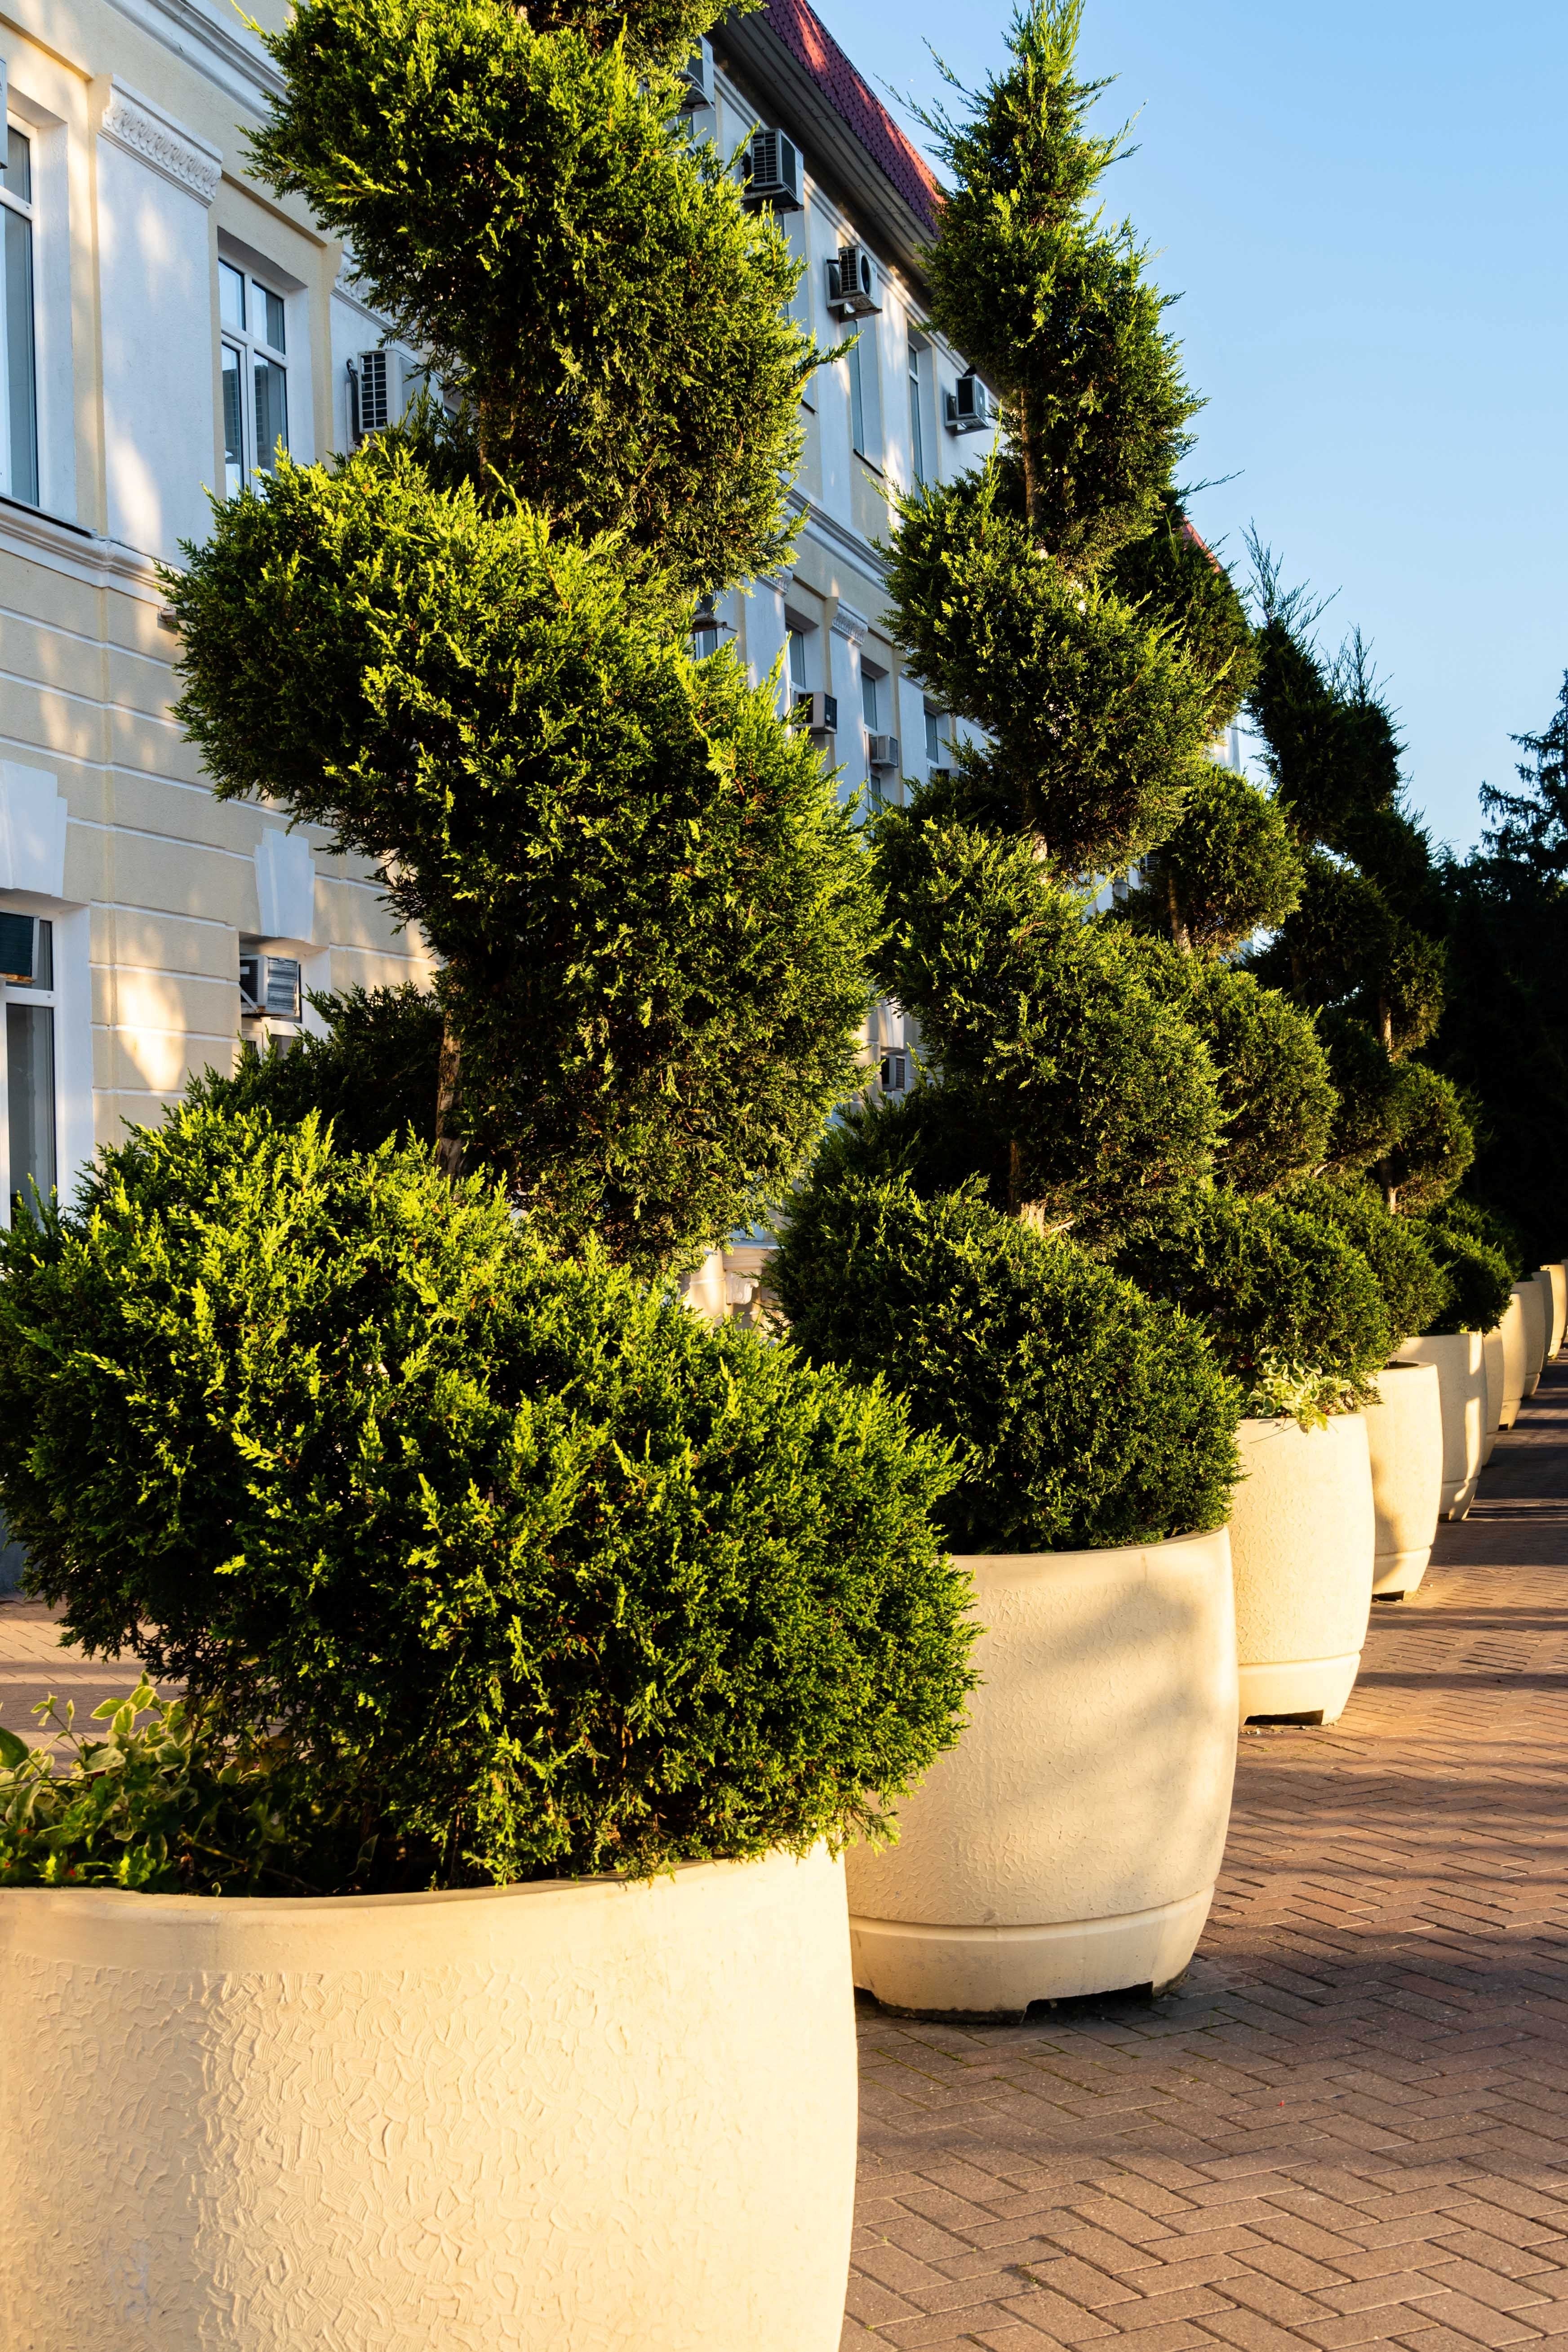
[(269, 985), (18, 948), (968, 409), (895, 1074), (852, 283), (882, 751), (697, 84), (815, 714), (370, 402), (773, 175)]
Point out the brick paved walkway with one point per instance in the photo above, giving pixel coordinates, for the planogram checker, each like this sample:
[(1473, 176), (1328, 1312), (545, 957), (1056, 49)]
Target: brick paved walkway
[(1349, 2124)]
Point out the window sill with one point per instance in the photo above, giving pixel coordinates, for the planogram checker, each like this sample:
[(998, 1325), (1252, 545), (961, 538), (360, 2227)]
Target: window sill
[(42, 514)]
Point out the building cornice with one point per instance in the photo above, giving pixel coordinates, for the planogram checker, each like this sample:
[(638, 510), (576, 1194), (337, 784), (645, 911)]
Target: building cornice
[(838, 538), (143, 129), (245, 72), (79, 553)]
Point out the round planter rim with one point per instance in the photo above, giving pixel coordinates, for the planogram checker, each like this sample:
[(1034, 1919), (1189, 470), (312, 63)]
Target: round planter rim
[(1041, 1563), (172, 1907)]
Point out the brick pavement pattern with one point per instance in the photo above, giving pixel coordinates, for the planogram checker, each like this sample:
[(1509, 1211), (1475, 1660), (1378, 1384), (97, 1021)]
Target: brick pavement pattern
[(1348, 2124)]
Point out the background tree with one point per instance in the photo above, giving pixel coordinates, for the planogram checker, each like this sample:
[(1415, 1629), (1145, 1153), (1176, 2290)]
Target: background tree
[(464, 650), (1504, 1033)]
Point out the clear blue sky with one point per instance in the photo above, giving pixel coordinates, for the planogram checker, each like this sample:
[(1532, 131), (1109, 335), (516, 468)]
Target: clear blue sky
[(1365, 210)]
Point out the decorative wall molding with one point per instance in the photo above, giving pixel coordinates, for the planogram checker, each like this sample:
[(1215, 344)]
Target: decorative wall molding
[(32, 830), (132, 122), (849, 624), (286, 886)]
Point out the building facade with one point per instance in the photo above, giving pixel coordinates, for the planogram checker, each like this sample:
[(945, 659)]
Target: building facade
[(167, 323)]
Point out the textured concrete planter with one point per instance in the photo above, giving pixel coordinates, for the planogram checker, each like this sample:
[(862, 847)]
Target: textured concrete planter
[(1557, 1275), (1070, 1842), (1459, 1360), (1302, 1539), (1405, 1444), (548, 2118), (1494, 1357), (1540, 1283), (1515, 1359), (1532, 1305)]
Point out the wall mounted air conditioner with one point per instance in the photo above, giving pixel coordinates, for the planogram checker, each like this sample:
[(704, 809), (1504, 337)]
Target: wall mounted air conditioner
[(815, 714), (774, 175), (852, 283), (896, 1072), (697, 87), (882, 751), (269, 985), (370, 401), (968, 409)]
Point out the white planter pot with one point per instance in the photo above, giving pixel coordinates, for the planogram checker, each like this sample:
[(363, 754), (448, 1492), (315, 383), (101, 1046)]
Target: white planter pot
[(1557, 1275), (549, 2118), (1495, 1358), (1540, 1284), (1070, 1842), (1515, 1359), (1302, 1539), (1404, 1446), (1533, 1307), (1459, 1360)]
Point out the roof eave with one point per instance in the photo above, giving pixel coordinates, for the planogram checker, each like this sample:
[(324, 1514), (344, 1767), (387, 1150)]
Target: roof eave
[(761, 62)]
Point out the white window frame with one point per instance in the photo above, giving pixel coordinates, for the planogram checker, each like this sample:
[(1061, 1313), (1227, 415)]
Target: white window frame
[(251, 344), (71, 1000), (25, 208)]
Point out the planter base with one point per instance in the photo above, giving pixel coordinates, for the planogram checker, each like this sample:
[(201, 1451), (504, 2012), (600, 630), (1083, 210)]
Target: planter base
[(1299, 1686), (1398, 1572), (1458, 1507), (996, 1972)]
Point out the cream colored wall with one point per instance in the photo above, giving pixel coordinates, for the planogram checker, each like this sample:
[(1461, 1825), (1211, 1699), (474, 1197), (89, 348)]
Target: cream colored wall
[(168, 875)]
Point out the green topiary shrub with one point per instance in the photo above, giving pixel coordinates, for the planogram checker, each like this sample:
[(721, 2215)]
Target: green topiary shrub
[(1083, 1416), (653, 909), (527, 1571), (373, 1075), (1280, 1292), (1414, 1289), (1477, 1281), (1228, 869), (1277, 1099)]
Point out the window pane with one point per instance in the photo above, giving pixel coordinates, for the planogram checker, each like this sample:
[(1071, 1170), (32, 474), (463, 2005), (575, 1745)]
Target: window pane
[(18, 165), (283, 988), (797, 660), (272, 318), (231, 295), (233, 422), (917, 442), (933, 739), (857, 403), (271, 412), (20, 381), (44, 956), (30, 1088), (869, 700)]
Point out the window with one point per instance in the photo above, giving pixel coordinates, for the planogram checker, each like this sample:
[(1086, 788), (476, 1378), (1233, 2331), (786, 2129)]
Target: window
[(857, 400), (255, 374), (705, 630), (799, 682), (917, 437), (933, 739), (871, 698), (20, 470), (30, 1056)]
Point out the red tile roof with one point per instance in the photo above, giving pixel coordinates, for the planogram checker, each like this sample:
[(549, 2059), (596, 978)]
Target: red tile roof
[(807, 39)]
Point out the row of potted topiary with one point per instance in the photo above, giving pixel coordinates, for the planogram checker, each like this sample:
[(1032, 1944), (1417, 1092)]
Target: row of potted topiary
[(465, 1956)]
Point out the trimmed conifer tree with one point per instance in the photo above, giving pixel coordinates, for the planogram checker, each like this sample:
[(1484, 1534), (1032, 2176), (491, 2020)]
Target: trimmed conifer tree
[(465, 651), (1111, 1080), (1362, 949)]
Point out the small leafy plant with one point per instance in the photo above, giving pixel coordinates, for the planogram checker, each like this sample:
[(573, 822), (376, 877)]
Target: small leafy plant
[(159, 1804)]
